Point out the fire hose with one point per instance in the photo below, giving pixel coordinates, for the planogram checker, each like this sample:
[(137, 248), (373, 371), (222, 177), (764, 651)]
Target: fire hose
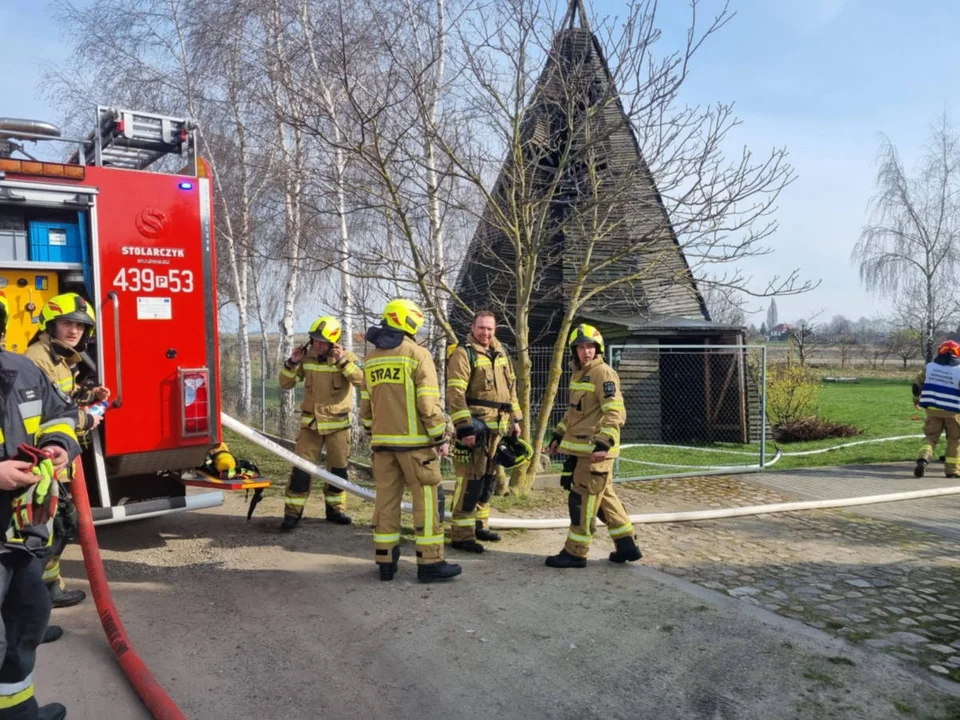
[(150, 691), (560, 523)]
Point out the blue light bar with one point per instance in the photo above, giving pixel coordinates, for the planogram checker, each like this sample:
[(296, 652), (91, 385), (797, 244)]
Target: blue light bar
[(186, 185)]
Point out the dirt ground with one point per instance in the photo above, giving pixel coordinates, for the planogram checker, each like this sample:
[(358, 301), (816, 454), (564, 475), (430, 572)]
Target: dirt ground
[(237, 620)]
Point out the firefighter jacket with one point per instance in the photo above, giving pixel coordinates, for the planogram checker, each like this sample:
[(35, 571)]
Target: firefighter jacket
[(32, 411), (61, 364), (328, 389), (938, 386), (481, 383), (596, 412), (400, 399)]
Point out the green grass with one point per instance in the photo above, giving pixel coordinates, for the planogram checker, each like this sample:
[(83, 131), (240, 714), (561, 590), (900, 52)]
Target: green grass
[(880, 407)]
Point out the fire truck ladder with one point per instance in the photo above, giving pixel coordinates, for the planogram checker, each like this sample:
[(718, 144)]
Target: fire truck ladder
[(134, 140)]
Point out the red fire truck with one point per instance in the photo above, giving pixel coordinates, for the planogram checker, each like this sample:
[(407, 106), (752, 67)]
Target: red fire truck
[(139, 243)]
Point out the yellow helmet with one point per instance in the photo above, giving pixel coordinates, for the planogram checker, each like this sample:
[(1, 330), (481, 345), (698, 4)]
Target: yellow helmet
[(68, 306), (403, 315), (584, 333), (327, 329), (5, 312)]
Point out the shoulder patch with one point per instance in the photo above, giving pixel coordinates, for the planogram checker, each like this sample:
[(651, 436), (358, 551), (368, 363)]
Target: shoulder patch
[(30, 393), (609, 388)]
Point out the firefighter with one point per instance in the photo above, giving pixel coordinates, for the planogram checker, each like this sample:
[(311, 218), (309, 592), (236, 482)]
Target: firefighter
[(67, 322), (400, 408), (329, 374), (589, 435), (482, 400), (937, 391), (33, 412)]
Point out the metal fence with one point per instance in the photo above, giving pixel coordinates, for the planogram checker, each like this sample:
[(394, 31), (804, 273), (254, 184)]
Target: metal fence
[(691, 409)]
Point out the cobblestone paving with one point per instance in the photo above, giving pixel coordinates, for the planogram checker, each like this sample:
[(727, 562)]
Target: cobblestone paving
[(880, 584)]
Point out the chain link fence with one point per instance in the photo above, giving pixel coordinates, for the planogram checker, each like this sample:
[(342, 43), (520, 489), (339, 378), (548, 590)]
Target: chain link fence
[(691, 409), (696, 409)]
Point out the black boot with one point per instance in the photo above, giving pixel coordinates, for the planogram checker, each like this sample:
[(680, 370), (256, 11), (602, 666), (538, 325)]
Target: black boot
[(52, 711), (338, 516), (920, 468), (52, 634), (388, 570), (438, 571), (485, 534), (289, 522), (60, 598), (471, 546), (627, 551), (566, 560)]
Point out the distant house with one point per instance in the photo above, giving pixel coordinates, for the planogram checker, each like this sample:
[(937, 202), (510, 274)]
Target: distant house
[(702, 397), (781, 331)]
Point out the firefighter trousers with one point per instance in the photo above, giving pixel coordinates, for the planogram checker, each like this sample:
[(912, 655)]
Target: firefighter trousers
[(941, 422), (476, 482), (25, 611), (310, 446), (592, 494), (420, 471), (51, 570)]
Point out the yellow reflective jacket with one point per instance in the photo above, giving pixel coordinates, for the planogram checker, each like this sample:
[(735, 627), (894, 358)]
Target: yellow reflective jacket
[(478, 380), (596, 412), (400, 399), (60, 363), (328, 395)]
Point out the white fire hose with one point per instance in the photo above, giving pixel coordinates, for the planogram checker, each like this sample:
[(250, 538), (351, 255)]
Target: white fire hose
[(550, 523)]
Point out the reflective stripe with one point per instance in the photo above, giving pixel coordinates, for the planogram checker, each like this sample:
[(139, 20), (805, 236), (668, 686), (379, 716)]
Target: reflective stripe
[(51, 572), (12, 688), (31, 424), (482, 361), (336, 425), (364, 395), (577, 446), (950, 460), (400, 439), (9, 701), (428, 391), (349, 368), (295, 501), (587, 539), (591, 511), (366, 423), (619, 531), (590, 387), (615, 405), (390, 360), (316, 367), (460, 415), (31, 408), (463, 522), (483, 513), (68, 423), (501, 361), (430, 540), (427, 512), (437, 430), (386, 537), (562, 427), (612, 432), (288, 373), (457, 383)]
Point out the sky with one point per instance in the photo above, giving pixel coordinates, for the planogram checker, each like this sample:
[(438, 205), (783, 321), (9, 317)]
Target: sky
[(824, 78)]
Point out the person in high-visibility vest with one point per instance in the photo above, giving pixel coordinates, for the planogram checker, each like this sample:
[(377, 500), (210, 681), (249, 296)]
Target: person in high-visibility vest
[(67, 322), (589, 435), (937, 391), (32, 412), (329, 373), (400, 408)]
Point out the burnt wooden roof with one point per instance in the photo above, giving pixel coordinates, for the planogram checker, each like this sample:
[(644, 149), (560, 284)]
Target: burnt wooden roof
[(581, 151)]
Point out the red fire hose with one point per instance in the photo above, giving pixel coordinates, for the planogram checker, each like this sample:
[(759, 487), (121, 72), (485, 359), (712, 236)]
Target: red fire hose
[(143, 681)]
